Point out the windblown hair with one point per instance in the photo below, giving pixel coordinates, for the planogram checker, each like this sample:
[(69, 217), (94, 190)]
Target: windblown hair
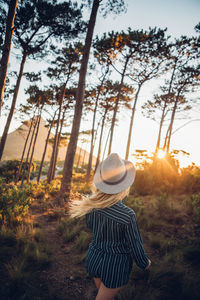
[(98, 200)]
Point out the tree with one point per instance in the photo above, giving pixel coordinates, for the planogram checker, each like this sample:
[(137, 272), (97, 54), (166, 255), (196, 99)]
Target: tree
[(7, 46), (36, 23), (62, 70), (51, 124), (67, 107), (69, 160), (30, 126), (149, 60), (106, 105), (185, 76), (39, 98), (96, 94), (152, 109)]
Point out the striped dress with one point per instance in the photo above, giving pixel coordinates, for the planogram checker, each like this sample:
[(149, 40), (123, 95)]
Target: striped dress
[(116, 242)]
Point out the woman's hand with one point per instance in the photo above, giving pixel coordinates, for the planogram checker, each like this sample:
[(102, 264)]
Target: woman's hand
[(148, 265)]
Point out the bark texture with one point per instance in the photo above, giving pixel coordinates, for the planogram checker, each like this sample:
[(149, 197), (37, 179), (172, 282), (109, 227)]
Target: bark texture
[(71, 150)]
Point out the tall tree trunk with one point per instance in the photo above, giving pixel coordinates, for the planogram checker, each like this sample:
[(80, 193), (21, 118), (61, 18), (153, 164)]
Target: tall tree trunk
[(105, 146), (25, 144), (160, 128), (169, 91), (7, 47), (33, 149), (93, 125), (45, 148), (12, 109), (71, 150), (166, 138), (116, 105), (131, 122), (172, 121), (100, 139), (96, 133), (29, 149), (57, 145)]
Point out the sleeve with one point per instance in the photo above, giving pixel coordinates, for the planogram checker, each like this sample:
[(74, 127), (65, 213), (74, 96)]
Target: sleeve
[(136, 245)]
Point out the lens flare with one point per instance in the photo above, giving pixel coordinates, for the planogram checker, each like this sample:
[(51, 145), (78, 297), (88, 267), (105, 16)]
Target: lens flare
[(161, 153)]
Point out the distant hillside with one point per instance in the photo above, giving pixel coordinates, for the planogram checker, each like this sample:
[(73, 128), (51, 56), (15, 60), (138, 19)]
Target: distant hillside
[(16, 139)]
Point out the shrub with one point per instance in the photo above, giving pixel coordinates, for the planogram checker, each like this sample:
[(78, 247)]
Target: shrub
[(14, 202), (9, 169), (195, 202), (82, 241)]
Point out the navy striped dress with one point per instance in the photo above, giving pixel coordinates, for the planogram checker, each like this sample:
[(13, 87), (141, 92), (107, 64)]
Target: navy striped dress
[(116, 242)]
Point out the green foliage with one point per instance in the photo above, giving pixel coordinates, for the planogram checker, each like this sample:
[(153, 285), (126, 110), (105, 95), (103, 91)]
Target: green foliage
[(43, 191), (23, 257), (75, 230), (9, 169), (164, 176), (70, 228), (14, 202), (195, 202), (82, 241)]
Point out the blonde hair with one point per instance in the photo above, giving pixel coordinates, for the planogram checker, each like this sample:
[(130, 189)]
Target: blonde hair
[(98, 200)]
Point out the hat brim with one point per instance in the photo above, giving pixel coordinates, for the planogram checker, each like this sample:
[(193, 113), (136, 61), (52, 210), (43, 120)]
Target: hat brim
[(119, 187)]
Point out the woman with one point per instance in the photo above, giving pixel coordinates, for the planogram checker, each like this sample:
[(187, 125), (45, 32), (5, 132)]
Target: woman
[(116, 240)]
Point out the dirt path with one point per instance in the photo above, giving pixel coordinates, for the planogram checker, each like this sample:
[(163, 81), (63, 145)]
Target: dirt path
[(66, 279)]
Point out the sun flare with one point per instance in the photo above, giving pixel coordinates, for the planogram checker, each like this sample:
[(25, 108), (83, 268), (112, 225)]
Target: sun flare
[(161, 153)]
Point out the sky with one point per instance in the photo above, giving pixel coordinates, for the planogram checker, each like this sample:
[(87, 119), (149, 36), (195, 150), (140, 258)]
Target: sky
[(180, 17)]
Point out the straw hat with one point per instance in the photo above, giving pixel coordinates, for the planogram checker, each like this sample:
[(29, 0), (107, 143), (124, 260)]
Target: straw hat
[(114, 175)]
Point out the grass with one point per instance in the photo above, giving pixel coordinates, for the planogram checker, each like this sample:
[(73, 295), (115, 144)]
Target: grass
[(23, 255), (170, 229)]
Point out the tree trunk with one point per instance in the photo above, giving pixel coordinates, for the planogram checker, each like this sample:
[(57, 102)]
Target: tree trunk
[(7, 47), (22, 157), (71, 150), (131, 123), (172, 121), (104, 152), (160, 128), (116, 105), (33, 149), (45, 148), (12, 109), (57, 145), (29, 150), (166, 138), (93, 125), (100, 140)]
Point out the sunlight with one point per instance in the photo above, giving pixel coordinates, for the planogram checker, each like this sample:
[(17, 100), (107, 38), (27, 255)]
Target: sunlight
[(161, 153), (184, 160)]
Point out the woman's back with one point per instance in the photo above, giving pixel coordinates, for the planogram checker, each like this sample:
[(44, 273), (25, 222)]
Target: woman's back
[(109, 228)]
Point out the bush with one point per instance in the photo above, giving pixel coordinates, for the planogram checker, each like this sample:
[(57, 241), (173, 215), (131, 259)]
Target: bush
[(14, 202), (195, 203), (9, 169), (23, 259), (82, 241), (165, 176)]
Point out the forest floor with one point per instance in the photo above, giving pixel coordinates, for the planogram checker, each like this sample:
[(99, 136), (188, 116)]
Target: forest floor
[(44, 257), (65, 278)]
